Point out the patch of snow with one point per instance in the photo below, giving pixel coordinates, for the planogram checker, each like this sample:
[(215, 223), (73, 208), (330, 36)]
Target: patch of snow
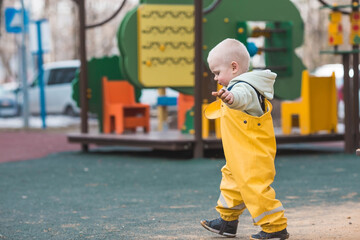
[(52, 121)]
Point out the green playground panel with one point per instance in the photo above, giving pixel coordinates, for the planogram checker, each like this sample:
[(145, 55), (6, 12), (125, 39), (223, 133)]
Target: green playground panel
[(242, 36), (287, 85), (280, 40), (188, 127), (294, 65), (127, 43)]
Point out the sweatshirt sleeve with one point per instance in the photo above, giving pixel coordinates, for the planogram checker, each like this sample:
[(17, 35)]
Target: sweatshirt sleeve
[(242, 97)]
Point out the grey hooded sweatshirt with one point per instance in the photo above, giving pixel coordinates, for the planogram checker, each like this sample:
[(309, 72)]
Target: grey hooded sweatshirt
[(245, 97)]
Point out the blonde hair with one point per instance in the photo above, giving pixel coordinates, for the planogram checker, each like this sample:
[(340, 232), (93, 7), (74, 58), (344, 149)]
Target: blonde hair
[(230, 50)]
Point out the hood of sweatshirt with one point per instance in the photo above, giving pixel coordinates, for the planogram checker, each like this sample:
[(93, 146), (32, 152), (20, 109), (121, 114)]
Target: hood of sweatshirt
[(263, 81)]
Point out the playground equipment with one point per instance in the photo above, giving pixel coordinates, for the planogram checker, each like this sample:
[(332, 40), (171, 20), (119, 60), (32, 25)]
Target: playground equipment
[(208, 125), (120, 111), (157, 37), (185, 103), (163, 102), (98, 68), (160, 52), (186, 117), (351, 86), (316, 110)]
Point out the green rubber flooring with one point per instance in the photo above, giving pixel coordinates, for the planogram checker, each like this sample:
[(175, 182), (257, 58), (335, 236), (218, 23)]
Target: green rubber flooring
[(112, 194)]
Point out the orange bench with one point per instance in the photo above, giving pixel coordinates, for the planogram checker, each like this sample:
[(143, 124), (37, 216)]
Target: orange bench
[(120, 111)]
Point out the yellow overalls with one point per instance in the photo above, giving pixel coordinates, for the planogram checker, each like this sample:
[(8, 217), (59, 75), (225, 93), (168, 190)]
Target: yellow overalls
[(250, 147)]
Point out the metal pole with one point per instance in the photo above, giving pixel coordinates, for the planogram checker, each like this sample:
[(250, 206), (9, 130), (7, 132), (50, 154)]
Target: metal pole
[(199, 145), (355, 90), (41, 74), (162, 112), (25, 104), (347, 101), (83, 73), (355, 99)]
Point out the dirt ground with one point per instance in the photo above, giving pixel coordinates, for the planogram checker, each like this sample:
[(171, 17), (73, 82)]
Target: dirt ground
[(309, 223), (325, 222)]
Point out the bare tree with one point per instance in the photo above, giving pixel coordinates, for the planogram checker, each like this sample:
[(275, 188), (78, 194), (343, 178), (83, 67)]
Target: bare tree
[(4, 57), (1, 3), (8, 50), (316, 33), (75, 31), (101, 41), (64, 23)]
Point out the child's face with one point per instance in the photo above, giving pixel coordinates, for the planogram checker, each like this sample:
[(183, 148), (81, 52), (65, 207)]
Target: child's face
[(223, 73)]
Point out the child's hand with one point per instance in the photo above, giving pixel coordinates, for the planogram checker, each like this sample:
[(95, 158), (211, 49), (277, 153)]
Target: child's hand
[(225, 95)]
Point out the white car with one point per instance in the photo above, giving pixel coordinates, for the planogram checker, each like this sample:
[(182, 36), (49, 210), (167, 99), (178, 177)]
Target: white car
[(58, 89), (8, 103), (327, 69)]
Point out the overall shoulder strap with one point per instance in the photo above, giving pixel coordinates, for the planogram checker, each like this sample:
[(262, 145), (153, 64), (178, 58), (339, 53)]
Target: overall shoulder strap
[(261, 98)]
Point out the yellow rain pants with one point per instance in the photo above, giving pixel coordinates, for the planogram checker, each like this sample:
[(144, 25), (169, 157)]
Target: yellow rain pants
[(250, 147)]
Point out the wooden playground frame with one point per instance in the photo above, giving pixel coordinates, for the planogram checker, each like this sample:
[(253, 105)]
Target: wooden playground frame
[(174, 140)]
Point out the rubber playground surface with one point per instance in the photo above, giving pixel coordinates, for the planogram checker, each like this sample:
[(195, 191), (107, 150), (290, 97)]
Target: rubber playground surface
[(113, 193)]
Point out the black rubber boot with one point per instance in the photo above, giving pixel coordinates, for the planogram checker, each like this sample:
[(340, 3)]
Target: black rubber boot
[(281, 235), (220, 226)]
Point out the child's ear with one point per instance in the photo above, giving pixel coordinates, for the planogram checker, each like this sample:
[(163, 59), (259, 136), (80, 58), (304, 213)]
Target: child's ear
[(234, 66)]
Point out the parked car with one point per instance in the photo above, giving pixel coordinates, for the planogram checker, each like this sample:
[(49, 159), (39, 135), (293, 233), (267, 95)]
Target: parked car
[(8, 103), (58, 89)]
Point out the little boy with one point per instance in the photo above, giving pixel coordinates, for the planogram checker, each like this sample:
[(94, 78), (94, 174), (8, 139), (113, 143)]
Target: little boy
[(249, 144)]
